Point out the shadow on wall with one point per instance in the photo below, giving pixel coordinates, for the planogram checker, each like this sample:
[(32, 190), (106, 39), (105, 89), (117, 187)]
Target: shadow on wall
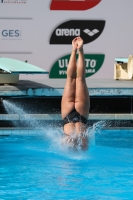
[(30, 84)]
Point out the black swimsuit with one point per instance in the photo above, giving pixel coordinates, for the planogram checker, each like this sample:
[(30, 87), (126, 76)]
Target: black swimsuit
[(74, 117)]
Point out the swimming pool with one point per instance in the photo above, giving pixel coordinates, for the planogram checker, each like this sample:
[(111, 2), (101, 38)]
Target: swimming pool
[(36, 166)]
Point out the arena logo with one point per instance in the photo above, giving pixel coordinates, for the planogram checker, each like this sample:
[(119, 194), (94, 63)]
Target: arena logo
[(11, 34), (89, 30), (93, 63), (73, 4), (14, 1)]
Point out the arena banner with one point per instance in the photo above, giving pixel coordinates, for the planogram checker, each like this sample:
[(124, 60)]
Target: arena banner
[(93, 62), (90, 30)]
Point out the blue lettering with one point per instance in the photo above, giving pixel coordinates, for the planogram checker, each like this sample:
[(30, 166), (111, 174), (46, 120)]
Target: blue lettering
[(11, 33)]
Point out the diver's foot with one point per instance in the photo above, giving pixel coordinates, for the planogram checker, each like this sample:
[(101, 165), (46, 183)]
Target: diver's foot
[(74, 44), (79, 44)]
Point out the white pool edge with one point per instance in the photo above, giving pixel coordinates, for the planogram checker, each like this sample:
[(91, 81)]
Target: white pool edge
[(53, 117)]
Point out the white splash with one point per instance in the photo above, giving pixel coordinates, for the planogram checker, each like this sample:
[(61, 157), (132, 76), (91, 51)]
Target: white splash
[(12, 108), (54, 136)]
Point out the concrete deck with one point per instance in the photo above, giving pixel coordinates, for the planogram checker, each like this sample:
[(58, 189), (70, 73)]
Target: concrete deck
[(55, 87)]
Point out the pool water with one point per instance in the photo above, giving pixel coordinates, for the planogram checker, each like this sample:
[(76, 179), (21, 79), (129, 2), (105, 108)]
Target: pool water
[(39, 167)]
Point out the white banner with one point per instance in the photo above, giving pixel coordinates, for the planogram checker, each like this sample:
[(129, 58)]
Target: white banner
[(40, 31)]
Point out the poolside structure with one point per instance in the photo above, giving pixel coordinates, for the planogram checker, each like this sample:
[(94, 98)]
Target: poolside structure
[(123, 68), (11, 68), (110, 99)]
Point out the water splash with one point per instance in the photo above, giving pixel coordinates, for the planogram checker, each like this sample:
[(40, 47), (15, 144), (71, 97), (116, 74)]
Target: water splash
[(58, 147), (54, 137), (12, 108)]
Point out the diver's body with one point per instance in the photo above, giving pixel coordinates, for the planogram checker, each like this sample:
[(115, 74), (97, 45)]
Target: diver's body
[(75, 101)]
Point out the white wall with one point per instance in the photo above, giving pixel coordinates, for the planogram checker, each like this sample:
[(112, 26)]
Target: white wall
[(33, 44)]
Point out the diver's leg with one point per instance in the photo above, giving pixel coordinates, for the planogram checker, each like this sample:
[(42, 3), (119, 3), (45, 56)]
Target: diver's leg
[(68, 99), (82, 100)]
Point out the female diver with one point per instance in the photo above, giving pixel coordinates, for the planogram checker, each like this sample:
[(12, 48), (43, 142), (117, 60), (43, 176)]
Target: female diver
[(75, 100)]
